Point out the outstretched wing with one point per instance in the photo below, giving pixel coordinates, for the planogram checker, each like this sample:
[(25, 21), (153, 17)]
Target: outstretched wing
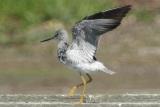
[(86, 33)]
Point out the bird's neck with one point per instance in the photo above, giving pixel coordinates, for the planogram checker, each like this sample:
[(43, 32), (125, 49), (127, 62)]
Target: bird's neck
[(63, 44), (61, 52)]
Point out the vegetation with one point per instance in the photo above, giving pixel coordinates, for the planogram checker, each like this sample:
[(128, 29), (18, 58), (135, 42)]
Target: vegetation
[(17, 16)]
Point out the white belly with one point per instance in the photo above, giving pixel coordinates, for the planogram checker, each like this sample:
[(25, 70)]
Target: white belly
[(84, 63), (89, 67)]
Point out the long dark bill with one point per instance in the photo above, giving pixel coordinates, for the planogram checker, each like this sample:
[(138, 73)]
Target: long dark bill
[(47, 39)]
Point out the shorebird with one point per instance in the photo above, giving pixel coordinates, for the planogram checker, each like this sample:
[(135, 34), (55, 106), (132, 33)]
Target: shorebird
[(80, 54)]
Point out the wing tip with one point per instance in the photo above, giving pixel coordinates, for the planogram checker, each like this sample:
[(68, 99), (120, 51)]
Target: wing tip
[(121, 11), (127, 7)]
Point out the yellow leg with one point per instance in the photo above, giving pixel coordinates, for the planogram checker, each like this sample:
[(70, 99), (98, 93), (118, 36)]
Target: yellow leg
[(72, 91), (84, 83), (84, 88)]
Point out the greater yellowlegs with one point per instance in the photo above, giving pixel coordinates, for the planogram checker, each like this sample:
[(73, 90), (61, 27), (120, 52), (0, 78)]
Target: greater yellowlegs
[(80, 54)]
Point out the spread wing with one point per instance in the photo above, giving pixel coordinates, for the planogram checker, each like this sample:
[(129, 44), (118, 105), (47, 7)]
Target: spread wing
[(86, 32)]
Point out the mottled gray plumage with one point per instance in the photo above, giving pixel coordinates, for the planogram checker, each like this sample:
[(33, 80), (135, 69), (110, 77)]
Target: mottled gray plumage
[(80, 54)]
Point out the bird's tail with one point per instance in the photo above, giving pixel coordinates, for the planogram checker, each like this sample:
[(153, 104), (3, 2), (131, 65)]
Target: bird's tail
[(100, 67), (108, 71)]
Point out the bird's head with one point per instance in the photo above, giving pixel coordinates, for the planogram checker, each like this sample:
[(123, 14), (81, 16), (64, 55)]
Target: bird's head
[(59, 35)]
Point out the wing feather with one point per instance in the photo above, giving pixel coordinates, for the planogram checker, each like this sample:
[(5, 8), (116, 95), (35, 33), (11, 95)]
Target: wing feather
[(86, 33)]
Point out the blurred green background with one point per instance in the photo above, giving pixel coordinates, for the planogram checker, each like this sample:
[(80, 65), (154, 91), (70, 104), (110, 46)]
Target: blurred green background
[(28, 66)]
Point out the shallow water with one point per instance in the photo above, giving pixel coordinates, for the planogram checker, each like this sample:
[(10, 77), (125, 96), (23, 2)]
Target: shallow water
[(110, 100)]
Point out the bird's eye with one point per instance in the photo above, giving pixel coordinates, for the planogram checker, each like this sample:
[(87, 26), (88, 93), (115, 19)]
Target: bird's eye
[(56, 34)]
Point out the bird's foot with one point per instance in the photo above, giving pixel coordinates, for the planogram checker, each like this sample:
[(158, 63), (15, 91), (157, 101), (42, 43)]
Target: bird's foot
[(81, 99), (72, 91)]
